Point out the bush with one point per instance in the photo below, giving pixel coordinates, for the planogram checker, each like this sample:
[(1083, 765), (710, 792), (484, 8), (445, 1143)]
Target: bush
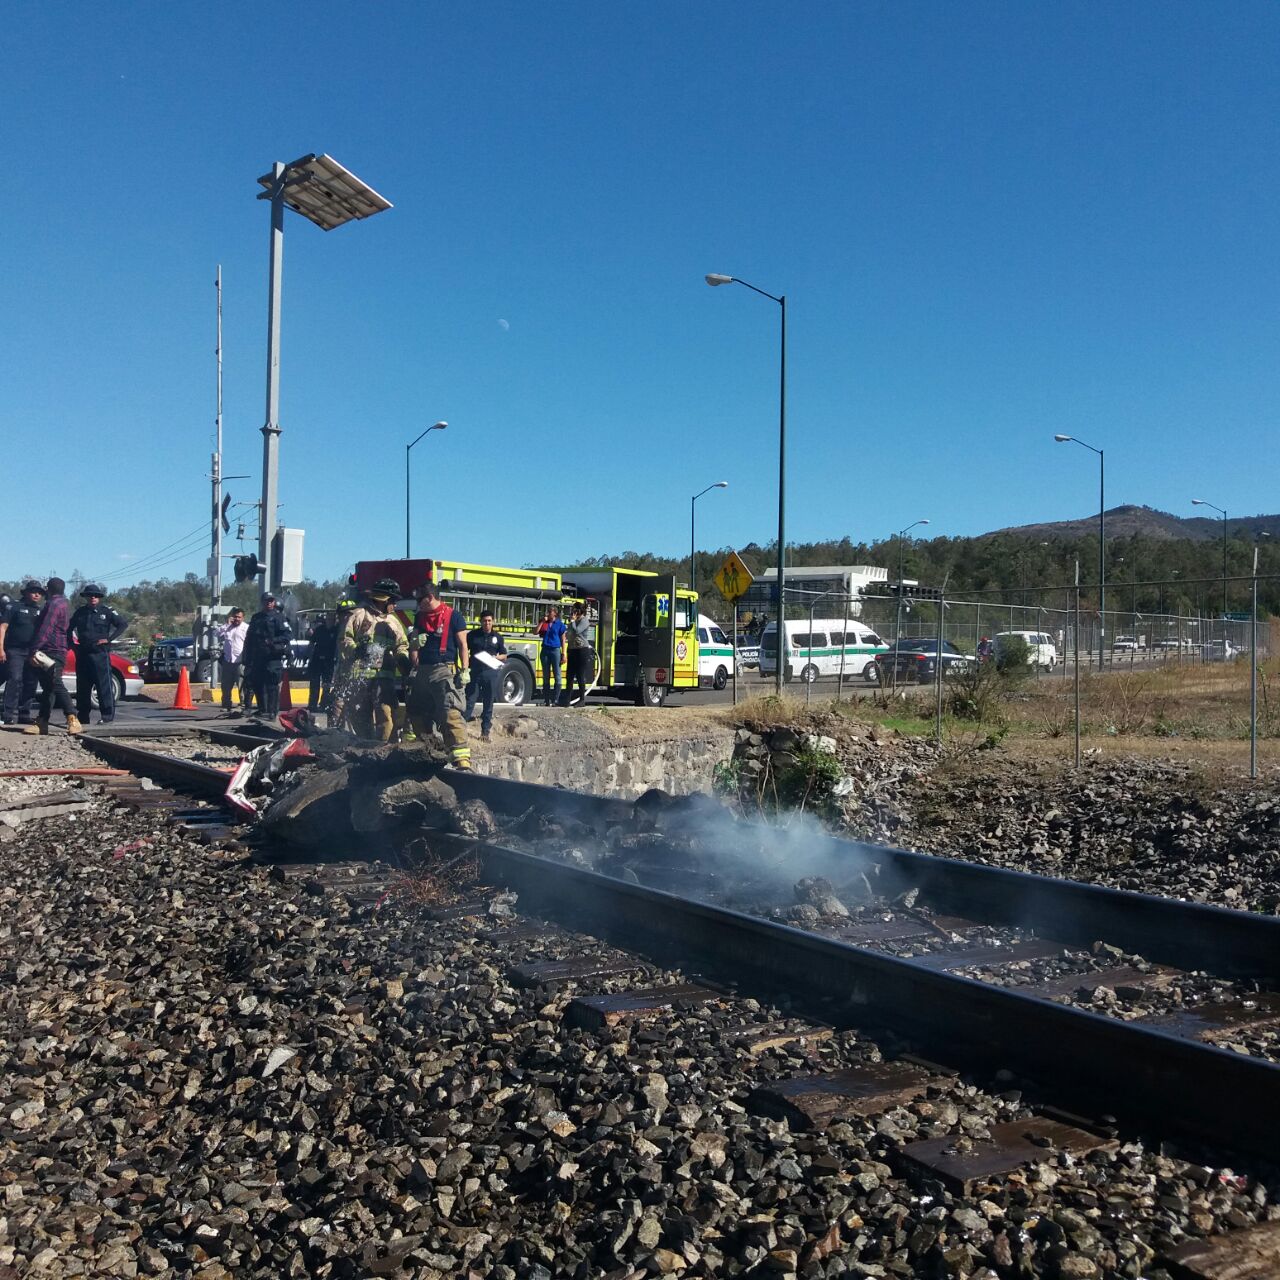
[(974, 694), (1013, 657)]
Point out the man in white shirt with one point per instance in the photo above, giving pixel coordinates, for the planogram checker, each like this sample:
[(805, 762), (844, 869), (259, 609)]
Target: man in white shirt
[(231, 636)]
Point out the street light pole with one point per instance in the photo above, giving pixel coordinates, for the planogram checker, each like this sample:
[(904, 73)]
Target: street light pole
[(323, 192), (897, 625), (693, 536), (439, 426), (1200, 502), (1102, 541), (780, 629)]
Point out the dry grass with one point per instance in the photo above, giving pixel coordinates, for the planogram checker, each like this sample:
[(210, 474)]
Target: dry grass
[(437, 882)]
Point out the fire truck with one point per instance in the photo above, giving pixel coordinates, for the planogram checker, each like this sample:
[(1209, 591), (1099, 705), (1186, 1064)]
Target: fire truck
[(644, 626)]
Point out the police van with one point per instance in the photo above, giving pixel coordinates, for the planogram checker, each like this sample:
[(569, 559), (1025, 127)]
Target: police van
[(823, 647), (716, 660)]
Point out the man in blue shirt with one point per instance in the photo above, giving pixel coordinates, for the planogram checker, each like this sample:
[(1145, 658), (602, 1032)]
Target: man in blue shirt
[(552, 630)]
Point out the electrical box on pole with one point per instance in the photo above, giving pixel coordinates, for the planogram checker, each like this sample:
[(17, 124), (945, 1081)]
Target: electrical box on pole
[(286, 558)]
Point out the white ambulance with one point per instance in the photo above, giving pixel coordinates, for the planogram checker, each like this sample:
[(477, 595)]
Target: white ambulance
[(715, 654), (828, 647)]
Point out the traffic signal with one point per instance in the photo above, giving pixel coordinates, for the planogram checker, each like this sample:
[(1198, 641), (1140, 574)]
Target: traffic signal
[(248, 567)]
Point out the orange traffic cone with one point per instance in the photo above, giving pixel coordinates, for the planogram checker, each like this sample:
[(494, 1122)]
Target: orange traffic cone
[(286, 698), (182, 699)]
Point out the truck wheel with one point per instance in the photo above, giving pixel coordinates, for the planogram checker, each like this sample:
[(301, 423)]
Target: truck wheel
[(204, 669), (652, 695), (808, 673), (871, 673), (721, 678), (517, 684)]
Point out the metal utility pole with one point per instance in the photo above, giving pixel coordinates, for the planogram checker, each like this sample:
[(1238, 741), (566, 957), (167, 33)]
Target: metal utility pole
[(271, 428), (215, 567), (1200, 502), (439, 426)]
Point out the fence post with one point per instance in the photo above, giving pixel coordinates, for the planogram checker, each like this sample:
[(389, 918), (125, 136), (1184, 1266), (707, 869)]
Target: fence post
[(1077, 630), (735, 654), (1253, 670), (937, 711)]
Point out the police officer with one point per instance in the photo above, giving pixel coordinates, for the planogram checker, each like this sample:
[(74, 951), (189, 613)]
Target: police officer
[(17, 631), (484, 677), (266, 646), (91, 630)]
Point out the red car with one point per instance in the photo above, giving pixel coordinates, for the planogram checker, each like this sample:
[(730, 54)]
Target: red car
[(124, 675)]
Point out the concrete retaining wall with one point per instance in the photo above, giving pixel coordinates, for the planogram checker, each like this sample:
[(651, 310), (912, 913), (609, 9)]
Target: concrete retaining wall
[(629, 769)]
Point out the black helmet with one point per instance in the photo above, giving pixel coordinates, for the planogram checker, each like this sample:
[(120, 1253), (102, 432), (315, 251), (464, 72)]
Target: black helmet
[(267, 596), (385, 589), (32, 585), (5, 601), (92, 589)]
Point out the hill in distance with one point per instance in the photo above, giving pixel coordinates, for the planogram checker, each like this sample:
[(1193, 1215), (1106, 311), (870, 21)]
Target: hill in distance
[(1146, 522)]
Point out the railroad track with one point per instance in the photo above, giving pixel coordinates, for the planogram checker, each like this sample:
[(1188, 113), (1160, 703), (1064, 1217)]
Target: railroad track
[(1171, 1080)]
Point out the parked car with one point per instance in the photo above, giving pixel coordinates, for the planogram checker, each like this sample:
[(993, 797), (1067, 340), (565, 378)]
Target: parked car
[(1041, 650), (916, 658), (125, 676), (749, 654), (168, 656), (1125, 644)]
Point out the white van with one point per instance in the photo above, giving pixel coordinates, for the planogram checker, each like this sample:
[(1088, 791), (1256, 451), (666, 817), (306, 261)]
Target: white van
[(715, 654), (1042, 652), (826, 648)]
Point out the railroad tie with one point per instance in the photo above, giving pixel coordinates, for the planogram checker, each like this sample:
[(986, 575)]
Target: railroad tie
[(962, 1164)]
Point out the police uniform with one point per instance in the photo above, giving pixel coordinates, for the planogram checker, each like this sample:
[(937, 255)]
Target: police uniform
[(20, 681), (266, 646), (484, 678), (91, 630)]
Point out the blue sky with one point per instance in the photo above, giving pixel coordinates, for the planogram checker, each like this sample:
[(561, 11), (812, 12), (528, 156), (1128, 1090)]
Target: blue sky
[(992, 222)]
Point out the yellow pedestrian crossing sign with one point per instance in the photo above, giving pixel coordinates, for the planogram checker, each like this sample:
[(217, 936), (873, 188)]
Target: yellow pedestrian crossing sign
[(734, 577)]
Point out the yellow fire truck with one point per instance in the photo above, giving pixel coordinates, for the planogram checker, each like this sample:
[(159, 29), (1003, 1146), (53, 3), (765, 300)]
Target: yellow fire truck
[(644, 627)]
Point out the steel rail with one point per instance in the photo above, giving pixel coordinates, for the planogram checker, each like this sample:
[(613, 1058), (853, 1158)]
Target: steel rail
[(1097, 1064), (1190, 935), (187, 775)]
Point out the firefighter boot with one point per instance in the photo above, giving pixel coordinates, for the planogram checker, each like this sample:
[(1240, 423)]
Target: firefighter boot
[(383, 722), (73, 725)]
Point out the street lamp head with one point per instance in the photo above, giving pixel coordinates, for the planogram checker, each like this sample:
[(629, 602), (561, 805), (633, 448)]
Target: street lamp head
[(720, 484), (1197, 502), (439, 426), (714, 280), (1063, 439)]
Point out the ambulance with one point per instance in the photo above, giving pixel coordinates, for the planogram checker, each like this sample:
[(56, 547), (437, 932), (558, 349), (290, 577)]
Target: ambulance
[(717, 662), (643, 632)]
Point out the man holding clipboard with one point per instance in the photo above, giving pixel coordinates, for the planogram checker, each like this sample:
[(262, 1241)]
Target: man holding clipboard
[(488, 652)]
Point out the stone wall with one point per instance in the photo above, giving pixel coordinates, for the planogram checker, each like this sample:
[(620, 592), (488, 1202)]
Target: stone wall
[(625, 768)]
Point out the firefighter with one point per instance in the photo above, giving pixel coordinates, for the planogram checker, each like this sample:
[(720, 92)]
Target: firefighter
[(91, 630), (439, 655), (374, 651), (266, 647)]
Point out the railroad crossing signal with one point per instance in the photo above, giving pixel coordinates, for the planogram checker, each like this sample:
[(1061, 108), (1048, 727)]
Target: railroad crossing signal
[(734, 577)]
